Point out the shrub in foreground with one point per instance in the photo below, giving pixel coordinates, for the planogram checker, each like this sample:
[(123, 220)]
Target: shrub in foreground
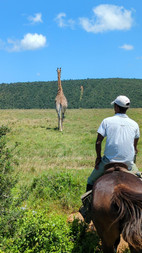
[(37, 232)]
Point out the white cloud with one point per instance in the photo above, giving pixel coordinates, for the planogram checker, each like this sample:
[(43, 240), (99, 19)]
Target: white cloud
[(29, 42), (127, 47), (108, 18), (33, 41), (60, 19), (37, 18), (62, 22), (71, 23)]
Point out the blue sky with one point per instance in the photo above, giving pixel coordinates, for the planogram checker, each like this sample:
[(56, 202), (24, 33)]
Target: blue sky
[(86, 38)]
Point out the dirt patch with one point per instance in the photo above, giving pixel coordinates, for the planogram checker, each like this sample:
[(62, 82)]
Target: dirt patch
[(122, 245), (75, 216)]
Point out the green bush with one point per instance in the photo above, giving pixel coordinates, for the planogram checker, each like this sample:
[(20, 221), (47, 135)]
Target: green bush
[(7, 180), (4, 130), (62, 187), (36, 232)]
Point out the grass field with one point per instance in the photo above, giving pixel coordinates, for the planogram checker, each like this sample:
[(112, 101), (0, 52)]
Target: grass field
[(41, 148), (53, 166)]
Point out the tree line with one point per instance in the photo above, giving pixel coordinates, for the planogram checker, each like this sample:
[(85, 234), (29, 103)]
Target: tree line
[(96, 93)]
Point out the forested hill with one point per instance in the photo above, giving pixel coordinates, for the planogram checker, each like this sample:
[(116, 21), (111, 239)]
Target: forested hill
[(97, 93)]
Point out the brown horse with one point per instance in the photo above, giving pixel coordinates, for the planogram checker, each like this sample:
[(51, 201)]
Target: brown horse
[(117, 209)]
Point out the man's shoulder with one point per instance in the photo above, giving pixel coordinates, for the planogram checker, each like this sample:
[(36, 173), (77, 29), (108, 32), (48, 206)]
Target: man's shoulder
[(115, 119), (133, 122), (109, 119)]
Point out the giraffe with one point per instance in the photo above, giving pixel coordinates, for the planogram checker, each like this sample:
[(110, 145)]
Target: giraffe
[(61, 102), (81, 92), (81, 96)]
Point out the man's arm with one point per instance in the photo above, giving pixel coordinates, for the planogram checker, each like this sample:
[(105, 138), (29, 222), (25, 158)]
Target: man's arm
[(98, 150), (135, 145)]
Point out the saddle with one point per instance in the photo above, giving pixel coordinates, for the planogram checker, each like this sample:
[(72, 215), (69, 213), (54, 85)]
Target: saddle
[(110, 167)]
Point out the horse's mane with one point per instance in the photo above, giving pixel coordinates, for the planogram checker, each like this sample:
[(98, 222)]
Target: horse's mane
[(128, 204)]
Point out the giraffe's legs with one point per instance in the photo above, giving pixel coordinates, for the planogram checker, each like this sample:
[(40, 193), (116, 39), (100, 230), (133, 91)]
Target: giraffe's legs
[(59, 123), (60, 111)]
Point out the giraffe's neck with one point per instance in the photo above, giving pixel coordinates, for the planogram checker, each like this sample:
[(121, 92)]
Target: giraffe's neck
[(59, 83)]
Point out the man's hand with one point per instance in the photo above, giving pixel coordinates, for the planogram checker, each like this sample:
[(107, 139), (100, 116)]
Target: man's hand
[(136, 151), (98, 160)]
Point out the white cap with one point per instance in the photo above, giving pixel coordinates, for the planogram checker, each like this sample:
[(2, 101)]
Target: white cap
[(122, 101)]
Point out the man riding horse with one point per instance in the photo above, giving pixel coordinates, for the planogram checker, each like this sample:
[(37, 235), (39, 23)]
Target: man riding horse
[(122, 135)]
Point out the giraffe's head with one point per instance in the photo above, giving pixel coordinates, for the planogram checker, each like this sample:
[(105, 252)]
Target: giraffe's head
[(59, 72)]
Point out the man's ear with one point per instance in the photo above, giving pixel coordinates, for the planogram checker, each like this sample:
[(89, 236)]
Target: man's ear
[(116, 108)]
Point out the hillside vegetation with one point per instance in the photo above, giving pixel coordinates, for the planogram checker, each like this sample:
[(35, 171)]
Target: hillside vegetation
[(97, 93), (46, 171)]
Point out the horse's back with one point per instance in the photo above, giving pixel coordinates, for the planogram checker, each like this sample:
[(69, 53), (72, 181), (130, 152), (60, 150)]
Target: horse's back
[(109, 184)]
